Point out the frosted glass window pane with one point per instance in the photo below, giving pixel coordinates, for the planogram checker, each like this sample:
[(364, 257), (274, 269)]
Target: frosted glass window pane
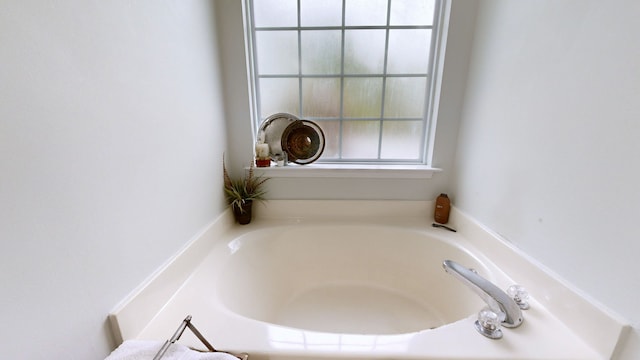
[(321, 97), (275, 13), (362, 97), (279, 95), (277, 52), (401, 140), (412, 12), (409, 51), (320, 12), (364, 86), (360, 139), (331, 130), (321, 51), (364, 51), (366, 12), (404, 97)]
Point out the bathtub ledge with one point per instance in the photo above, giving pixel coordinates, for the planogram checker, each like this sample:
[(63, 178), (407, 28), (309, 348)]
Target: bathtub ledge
[(563, 322)]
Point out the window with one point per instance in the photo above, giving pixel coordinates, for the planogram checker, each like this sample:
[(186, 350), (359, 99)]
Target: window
[(360, 69)]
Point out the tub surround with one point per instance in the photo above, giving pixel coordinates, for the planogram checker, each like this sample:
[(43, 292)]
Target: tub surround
[(134, 312), (562, 322)]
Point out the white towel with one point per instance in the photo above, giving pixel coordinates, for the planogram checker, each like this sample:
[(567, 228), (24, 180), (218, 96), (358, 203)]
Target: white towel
[(146, 350)]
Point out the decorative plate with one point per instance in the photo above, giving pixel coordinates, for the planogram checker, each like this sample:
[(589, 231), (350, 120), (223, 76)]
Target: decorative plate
[(303, 141), (272, 129)]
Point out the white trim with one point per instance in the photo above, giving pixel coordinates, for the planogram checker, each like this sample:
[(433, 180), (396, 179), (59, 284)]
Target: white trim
[(370, 171), (437, 74)]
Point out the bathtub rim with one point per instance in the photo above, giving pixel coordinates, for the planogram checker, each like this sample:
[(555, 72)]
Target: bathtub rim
[(130, 317)]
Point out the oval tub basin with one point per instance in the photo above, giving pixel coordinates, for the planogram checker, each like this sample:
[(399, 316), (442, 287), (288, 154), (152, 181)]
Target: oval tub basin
[(346, 279)]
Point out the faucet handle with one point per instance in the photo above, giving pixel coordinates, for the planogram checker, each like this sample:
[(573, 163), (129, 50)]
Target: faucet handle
[(520, 295), (488, 323)]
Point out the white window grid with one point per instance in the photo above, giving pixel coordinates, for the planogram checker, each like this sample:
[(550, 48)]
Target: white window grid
[(428, 76)]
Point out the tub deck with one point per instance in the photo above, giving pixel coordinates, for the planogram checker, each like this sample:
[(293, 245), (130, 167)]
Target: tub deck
[(247, 295)]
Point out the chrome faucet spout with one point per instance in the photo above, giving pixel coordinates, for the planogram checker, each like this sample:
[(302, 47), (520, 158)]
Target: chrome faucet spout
[(498, 301)]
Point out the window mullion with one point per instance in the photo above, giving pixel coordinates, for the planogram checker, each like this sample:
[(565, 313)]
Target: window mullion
[(342, 45), (254, 66), (384, 77), (299, 29)]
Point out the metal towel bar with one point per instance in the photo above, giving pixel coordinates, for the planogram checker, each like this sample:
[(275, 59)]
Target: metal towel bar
[(186, 323)]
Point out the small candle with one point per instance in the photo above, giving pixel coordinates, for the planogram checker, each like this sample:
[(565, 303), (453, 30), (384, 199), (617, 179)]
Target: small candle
[(262, 150), (281, 160)]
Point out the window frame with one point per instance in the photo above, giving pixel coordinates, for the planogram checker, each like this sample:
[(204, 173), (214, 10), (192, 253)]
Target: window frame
[(422, 167)]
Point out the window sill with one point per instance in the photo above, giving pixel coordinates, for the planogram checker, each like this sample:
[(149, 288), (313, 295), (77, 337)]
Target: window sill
[(349, 171)]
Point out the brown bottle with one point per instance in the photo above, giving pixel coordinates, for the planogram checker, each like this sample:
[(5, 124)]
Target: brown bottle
[(443, 206)]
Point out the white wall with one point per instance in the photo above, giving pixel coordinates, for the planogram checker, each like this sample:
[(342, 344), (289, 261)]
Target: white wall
[(548, 147), (111, 135), (112, 126)]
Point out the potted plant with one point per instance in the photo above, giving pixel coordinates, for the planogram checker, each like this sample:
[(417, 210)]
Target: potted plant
[(241, 193)]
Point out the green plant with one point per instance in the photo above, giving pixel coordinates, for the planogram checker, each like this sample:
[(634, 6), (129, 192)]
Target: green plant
[(248, 188)]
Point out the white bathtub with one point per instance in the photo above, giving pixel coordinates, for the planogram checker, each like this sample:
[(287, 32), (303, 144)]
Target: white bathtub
[(294, 285)]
